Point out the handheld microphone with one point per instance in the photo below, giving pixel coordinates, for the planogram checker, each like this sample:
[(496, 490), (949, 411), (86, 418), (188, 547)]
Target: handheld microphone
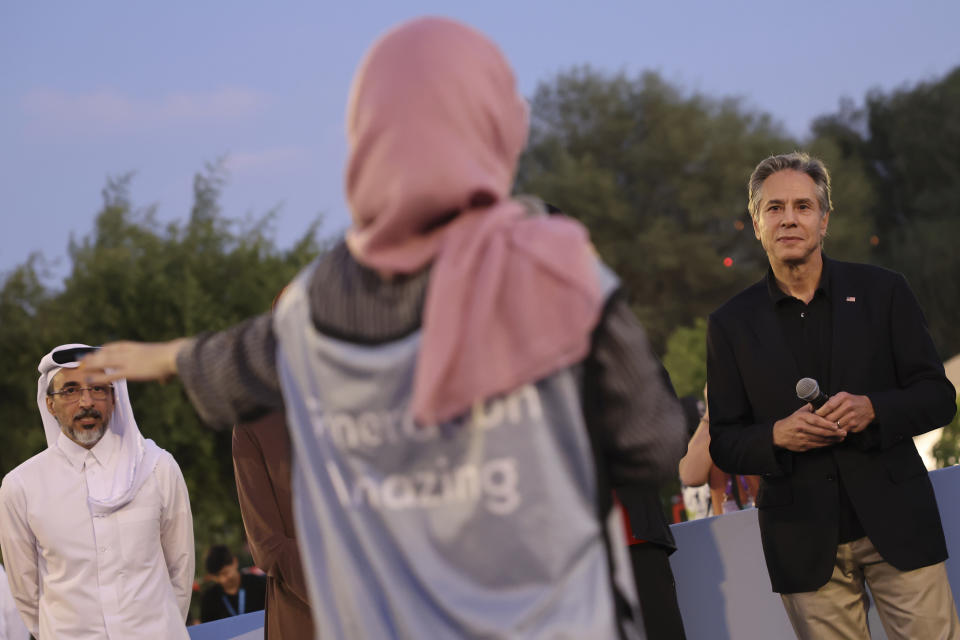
[(809, 391)]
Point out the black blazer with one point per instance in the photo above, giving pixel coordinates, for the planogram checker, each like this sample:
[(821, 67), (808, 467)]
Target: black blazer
[(882, 349)]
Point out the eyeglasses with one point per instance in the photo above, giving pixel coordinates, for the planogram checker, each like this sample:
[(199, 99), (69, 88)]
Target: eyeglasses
[(72, 394)]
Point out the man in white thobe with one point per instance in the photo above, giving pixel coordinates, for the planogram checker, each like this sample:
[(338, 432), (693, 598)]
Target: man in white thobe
[(96, 530)]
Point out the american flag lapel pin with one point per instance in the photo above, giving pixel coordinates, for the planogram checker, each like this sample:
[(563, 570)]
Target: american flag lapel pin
[(851, 298)]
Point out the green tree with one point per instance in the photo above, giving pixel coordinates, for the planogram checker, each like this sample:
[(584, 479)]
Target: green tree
[(686, 358), (659, 178), (906, 143), (23, 341), (851, 225)]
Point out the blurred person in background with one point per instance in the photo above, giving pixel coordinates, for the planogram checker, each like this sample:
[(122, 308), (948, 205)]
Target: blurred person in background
[(694, 498), (234, 592), (728, 492), (261, 464)]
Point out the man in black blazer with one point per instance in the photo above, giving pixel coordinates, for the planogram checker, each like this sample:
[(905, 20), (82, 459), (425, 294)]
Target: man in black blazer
[(845, 498)]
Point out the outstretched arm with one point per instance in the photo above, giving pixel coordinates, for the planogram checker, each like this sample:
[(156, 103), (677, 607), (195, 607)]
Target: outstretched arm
[(230, 376), (136, 361)]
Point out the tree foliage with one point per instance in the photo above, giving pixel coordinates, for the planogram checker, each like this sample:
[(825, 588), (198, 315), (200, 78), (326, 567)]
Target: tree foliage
[(132, 278), (659, 178), (686, 358), (906, 144)]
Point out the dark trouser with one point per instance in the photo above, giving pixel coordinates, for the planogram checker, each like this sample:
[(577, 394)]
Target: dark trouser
[(657, 592)]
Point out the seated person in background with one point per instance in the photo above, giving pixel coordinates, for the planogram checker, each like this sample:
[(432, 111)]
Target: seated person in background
[(234, 593), (727, 492)]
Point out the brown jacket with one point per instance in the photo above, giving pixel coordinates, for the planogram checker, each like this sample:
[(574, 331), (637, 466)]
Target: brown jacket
[(261, 462)]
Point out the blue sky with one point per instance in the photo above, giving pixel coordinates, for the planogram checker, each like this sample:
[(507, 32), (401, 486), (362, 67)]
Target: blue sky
[(95, 89)]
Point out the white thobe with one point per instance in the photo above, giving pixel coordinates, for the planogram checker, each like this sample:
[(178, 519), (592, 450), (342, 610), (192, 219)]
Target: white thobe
[(123, 575)]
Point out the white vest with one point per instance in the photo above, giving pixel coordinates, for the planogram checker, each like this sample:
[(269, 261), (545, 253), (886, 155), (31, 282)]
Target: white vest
[(483, 527)]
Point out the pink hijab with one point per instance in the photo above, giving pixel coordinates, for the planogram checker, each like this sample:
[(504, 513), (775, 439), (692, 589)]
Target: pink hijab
[(435, 128)]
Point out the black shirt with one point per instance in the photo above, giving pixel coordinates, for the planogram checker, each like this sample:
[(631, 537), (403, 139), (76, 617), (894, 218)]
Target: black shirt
[(216, 604), (808, 332)]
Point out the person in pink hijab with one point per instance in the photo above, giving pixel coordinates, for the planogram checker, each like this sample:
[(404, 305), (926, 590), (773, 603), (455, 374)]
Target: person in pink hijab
[(462, 379)]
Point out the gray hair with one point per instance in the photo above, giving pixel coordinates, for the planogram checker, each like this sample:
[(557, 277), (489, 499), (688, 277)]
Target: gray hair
[(796, 161)]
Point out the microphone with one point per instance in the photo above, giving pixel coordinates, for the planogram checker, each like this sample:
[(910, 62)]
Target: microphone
[(809, 391)]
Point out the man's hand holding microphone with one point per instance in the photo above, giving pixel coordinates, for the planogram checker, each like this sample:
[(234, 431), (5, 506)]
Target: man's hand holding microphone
[(824, 420)]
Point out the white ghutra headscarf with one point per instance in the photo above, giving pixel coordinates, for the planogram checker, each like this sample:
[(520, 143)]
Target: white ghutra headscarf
[(137, 456)]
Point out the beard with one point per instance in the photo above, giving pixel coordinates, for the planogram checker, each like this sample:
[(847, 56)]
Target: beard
[(86, 436)]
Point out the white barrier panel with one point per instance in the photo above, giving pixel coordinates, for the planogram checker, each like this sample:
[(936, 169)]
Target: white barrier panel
[(248, 626), (722, 582)]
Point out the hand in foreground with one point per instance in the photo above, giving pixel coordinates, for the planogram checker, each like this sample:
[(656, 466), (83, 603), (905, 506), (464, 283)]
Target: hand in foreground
[(133, 361), (849, 412), (803, 430)]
